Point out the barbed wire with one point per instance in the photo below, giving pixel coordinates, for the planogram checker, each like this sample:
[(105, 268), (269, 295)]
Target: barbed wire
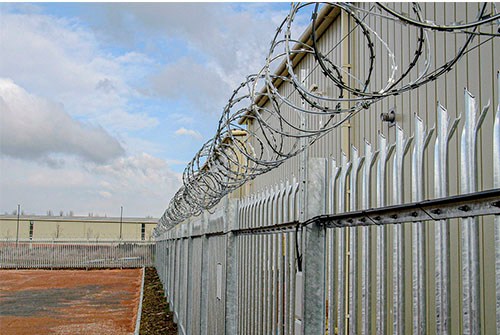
[(283, 116)]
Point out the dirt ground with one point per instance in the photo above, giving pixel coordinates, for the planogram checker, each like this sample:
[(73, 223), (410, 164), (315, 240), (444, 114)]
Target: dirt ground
[(156, 318), (69, 301)]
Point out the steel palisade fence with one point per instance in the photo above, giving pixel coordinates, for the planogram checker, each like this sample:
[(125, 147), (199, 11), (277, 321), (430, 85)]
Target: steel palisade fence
[(274, 263), (41, 254)]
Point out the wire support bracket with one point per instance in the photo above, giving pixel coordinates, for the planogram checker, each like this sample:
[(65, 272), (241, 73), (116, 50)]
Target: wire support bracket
[(458, 206)]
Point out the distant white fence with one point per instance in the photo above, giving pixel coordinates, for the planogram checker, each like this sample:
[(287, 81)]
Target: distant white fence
[(75, 254)]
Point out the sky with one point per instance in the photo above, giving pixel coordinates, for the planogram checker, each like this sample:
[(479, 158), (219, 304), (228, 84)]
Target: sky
[(103, 104)]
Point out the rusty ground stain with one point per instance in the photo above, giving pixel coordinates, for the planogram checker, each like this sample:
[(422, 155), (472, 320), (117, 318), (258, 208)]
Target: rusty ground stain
[(69, 301)]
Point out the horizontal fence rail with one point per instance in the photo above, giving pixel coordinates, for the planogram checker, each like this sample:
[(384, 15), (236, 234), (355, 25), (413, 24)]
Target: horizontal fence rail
[(74, 254)]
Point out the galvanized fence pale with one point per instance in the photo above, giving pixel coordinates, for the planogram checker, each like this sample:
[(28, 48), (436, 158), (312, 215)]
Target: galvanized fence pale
[(251, 267), (75, 254)]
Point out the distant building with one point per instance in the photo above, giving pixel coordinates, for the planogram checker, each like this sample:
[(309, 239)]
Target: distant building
[(32, 227)]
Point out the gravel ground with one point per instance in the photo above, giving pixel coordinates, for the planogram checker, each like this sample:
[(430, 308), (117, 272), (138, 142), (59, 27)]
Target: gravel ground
[(156, 318), (69, 302)]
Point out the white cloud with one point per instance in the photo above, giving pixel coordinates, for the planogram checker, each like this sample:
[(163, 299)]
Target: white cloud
[(35, 128), (203, 86), (226, 43), (147, 170), (61, 59), (142, 184), (121, 120), (233, 35), (182, 118), (177, 162), (45, 177), (52, 46), (105, 194), (188, 132), (140, 181)]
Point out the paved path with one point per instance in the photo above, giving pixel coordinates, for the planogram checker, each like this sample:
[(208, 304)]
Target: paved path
[(69, 301)]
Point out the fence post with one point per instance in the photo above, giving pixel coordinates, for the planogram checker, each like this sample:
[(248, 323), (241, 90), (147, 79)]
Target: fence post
[(310, 314), (442, 231), (204, 278), (398, 260), (471, 298), (231, 223), (496, 183), (419, 288), (189, 284)]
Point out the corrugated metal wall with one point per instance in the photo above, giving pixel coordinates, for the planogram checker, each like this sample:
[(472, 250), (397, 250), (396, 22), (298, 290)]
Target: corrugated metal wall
[(476, 71)]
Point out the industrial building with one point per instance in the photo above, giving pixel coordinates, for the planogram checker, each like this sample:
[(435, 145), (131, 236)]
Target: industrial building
[(76, 228)]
